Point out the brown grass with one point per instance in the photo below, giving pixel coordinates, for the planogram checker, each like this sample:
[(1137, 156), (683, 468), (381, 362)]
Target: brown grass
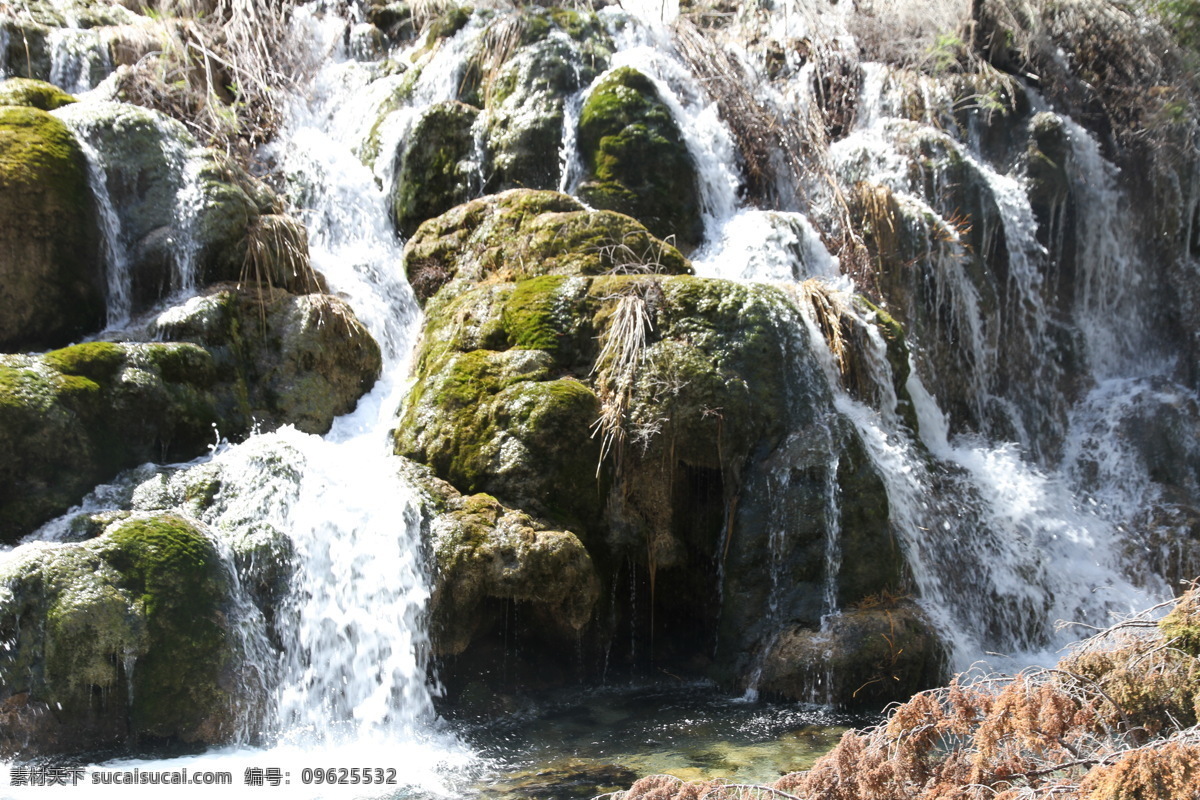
[(1115, 720)]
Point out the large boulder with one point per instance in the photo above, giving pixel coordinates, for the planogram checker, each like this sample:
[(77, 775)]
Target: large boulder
[(880, 652), (183, 215), (635, 160), (51, 280), (523, 233), (123, 637), (76, 416), (525, 100), (571, 369), (303, 359)]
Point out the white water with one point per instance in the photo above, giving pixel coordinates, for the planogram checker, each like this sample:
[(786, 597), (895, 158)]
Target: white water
[(350, 687)]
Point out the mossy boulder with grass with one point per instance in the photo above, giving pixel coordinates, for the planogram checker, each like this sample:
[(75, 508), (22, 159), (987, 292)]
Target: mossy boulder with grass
[(121, 638), (33, 94), (646, 412), (635, 160), (524, 233), (436, 167), (51, 276)]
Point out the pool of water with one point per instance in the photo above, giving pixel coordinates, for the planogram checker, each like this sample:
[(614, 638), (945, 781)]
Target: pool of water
[(587, 743)]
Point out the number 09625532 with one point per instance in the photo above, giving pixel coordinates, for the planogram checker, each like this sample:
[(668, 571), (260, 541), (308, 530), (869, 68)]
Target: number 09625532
[(342, 776)]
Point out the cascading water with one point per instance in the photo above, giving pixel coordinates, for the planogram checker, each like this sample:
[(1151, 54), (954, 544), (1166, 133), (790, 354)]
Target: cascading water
[(1000, 546)]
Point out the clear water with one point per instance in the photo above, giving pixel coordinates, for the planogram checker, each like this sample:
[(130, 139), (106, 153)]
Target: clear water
[(592, 742)]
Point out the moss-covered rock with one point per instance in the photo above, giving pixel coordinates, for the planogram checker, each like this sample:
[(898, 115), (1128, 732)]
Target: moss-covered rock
[(51, 281), (121, 637), (483, 550), (524, 233), (868, 656), (300, 359), (436, 168), (635, 159), (76, 416), (33, 94), (525, 101)]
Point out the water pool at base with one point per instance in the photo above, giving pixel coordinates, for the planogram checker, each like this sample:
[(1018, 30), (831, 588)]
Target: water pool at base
[(581, 744)]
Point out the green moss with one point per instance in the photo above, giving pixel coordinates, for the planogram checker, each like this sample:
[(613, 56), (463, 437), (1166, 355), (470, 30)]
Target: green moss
[(433, 168), (35, 147), (472, 377), (177, 575), (529, 314), (448, 24), (22, 388), (183, 363), (99, 361), (636, 159), (34, 94)]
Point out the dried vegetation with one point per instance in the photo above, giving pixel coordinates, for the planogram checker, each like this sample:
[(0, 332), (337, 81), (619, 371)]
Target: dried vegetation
[(1116, 719), (222, 67)]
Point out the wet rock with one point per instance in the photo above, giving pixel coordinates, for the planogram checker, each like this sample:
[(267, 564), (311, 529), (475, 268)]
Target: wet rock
[(525, 101), (304, 359), (121, 637), (77, 416), (184, 213), (635, 160), (436, 168), (51, 281), (868, 656)]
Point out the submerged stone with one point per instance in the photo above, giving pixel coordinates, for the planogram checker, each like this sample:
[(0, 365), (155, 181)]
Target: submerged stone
[(868, 656)]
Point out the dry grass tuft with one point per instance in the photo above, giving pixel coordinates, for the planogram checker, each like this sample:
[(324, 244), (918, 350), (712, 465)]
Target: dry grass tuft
[(276, 256), (1115, 720), (223, 68), (827, 308), (622, 346)]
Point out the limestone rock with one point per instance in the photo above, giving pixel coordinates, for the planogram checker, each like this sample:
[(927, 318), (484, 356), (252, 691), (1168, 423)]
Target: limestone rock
[(123, 636), (51, 282)]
